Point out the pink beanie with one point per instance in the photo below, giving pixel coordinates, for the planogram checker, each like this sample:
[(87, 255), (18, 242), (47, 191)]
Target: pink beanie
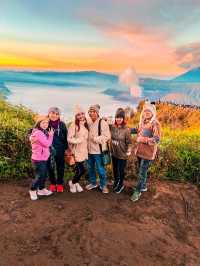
[(78, 109)]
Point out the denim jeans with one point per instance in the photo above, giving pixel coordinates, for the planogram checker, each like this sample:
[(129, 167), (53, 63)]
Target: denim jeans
[(118, 170), (40, 169), (95, 163), (143, 169)]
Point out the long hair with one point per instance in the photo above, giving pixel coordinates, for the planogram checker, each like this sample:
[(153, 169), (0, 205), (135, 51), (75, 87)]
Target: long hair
[(123, 124), (77, 123)]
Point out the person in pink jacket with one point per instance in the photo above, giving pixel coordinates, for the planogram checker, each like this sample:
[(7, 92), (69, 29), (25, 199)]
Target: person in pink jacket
[(78, 142), (41, 141)]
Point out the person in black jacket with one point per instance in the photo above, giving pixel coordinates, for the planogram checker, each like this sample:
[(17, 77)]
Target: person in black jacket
[(56, 162)]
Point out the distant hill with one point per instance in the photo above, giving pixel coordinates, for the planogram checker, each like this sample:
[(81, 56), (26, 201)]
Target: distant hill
[(187, 85), (190, 76), (4, 91), (72, 79)]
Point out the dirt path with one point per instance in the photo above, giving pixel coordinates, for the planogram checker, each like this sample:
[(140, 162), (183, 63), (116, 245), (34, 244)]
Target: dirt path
[(89, 228)]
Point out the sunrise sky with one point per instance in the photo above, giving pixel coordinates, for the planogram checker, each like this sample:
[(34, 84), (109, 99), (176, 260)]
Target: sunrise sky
[(157, 37)]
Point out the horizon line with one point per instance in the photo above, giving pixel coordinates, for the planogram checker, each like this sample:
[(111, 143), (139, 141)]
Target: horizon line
[(141, 75)]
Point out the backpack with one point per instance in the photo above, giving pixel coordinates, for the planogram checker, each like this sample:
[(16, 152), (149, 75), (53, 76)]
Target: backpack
[(105, 155)]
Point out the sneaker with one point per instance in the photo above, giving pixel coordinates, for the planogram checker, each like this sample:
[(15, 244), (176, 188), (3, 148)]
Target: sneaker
[(144, 189), (79, 187), (116, 183), (52, 188), (90, 187), (105, 190), (33, 194), (119, 189), (60, 188), (44, 192), (72, 187), (136, 195)]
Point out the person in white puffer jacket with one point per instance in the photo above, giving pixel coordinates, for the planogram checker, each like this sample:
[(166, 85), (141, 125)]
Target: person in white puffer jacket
[(78, 142)]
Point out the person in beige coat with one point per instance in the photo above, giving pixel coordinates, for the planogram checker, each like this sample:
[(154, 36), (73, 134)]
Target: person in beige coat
[(78, 142), (97, 142)]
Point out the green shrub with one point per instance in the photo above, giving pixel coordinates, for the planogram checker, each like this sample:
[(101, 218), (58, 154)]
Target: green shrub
[(178, 158), (14, 149)]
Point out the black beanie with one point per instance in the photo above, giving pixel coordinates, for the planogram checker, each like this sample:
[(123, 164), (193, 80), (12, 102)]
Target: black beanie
[(120, 113)]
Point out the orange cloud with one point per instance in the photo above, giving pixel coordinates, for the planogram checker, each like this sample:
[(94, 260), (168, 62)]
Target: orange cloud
[(135, 46), (188, 56), (149, 50)]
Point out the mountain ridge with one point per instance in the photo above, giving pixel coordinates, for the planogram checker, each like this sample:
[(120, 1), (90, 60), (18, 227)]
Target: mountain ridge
[(187, 83)]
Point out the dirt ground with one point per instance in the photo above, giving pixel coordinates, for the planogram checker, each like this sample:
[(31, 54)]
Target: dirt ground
[(93, 229)]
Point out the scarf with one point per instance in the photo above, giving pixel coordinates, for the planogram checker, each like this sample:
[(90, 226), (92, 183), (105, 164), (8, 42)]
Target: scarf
[(54, 124)]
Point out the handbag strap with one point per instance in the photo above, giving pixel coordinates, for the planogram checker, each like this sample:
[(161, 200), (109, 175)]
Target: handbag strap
[(99, 134), (75, 131), (73, 145)]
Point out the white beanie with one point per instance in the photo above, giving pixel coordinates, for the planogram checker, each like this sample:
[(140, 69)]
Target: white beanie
[(78, 109), (150, 107)]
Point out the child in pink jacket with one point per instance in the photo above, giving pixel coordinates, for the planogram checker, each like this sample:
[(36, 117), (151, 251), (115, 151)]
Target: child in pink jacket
[(41, 141)]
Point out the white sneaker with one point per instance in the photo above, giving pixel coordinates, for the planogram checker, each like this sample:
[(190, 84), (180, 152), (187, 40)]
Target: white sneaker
[(44, 192), (72, 187), (90, 187), (144, 189), (79, 187), (105, 190), (33, 194)]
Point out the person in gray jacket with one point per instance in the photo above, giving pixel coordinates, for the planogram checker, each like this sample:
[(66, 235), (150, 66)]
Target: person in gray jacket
[(120, 149)]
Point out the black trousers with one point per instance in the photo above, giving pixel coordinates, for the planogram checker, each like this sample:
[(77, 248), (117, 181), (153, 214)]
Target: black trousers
[(118, 170), (40, 169), (56, 169), (79, 172)]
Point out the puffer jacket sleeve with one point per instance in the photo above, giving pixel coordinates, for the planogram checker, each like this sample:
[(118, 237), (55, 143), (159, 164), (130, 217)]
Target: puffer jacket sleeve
[(105, 133), (72, 139), (128, 139), (41, 138)]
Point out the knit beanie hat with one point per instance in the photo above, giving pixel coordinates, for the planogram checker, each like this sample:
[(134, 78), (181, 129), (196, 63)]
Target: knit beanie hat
[(78, 109), (148, 107), (95, 108), (54, 110), (120, 113)]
